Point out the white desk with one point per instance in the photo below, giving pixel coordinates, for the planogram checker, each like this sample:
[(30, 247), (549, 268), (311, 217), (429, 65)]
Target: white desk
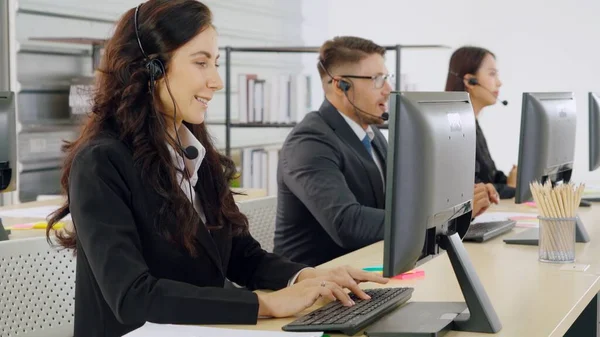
[(57, 202), (531, 298)]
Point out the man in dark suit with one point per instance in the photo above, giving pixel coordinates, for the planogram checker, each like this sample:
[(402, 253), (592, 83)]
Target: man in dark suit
[(332, 166)]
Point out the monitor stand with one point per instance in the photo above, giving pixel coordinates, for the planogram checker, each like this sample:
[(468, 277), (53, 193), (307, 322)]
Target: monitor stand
[(420, 319), (531, 236), (3, 232)]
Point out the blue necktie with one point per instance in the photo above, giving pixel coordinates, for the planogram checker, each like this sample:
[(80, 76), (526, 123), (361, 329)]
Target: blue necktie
[(367, 143)]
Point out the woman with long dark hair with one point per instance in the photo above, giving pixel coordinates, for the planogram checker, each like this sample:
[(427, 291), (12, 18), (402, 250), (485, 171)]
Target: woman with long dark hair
[(473, 69), (155, 226)]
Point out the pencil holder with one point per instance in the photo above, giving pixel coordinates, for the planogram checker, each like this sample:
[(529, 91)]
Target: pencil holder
[(557, 240)]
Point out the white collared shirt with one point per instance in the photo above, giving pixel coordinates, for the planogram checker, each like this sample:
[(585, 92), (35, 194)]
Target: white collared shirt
[(360, 133), (188, 139)]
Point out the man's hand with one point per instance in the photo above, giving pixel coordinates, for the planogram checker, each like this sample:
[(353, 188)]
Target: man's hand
[(493, 194), (481, 199), (512, 177)]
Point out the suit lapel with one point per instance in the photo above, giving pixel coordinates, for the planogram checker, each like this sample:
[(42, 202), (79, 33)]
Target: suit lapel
[(213, 242), (208, 243), (222, 239), (202, 234), (381, 147), (345, 132)]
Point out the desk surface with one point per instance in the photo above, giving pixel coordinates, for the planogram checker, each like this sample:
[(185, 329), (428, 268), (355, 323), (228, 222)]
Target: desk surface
[(18, 234), (531, 298)]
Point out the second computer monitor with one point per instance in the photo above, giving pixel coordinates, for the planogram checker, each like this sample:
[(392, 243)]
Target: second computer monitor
[(594, 131), (429, 193), (8, 157), (547, 140), (431, 172)]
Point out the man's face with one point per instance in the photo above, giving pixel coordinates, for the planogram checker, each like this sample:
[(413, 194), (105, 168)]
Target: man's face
[(369, 94)]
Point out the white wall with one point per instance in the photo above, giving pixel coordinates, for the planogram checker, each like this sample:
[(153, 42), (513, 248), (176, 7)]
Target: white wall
[(541, 45), (315, 26)]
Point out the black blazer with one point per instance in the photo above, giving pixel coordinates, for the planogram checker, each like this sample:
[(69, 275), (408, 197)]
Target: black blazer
[(127, 274), (331, 197), (485, 168)]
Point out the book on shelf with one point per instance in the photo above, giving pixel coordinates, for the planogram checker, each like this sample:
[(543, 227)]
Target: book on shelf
[(273, 99), (80, 98), (258, 168)]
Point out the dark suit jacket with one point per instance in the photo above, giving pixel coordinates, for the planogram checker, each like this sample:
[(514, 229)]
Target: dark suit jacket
[(331, 197), (127, 274), (485, 168)]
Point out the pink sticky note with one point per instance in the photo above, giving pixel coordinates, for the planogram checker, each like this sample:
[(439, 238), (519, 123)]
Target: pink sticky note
[(410, 275), (530, 203)]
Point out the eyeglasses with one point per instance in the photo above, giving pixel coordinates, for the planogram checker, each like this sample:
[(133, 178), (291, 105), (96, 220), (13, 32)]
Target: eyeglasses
[(378, 80)]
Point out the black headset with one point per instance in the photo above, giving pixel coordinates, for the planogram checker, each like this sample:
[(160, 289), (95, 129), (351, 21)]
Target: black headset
[(156, 69), (474, 81), (155, 66), (345, 86)]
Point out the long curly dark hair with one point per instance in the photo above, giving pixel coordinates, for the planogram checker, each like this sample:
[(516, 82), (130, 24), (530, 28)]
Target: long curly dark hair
[(123, 102)]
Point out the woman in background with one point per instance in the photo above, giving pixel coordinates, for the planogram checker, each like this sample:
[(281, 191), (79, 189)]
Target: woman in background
[(474, 70), (156, 229)]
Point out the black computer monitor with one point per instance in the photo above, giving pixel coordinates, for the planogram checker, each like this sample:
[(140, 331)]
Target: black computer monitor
[(594, 131), (7, 142), (546, 149), (8, 149), (547, 140), (3, 232), (429, 192)]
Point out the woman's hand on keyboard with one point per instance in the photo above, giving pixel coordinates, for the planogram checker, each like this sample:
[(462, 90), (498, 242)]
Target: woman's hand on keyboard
[(301, 295), (345, 276)]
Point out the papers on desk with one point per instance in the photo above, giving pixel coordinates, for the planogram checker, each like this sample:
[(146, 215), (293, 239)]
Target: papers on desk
[(591, 191), (160, 330), (41, 212), (526, 220)]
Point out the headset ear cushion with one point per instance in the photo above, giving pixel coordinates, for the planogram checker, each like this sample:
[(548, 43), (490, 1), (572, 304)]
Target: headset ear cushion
[(345, 86), (155, 68), (473, 81)]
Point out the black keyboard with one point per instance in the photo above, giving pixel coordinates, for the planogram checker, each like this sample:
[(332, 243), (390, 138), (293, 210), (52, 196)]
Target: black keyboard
[(483, 231), (334, 316)]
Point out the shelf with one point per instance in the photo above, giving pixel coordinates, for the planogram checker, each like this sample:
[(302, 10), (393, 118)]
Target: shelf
[(271, 125), (302, 49), (423, 46), (73, 40), (255, 125), (61, 49), (258, 145), (262, 125), (34, 125), (96, 43)]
